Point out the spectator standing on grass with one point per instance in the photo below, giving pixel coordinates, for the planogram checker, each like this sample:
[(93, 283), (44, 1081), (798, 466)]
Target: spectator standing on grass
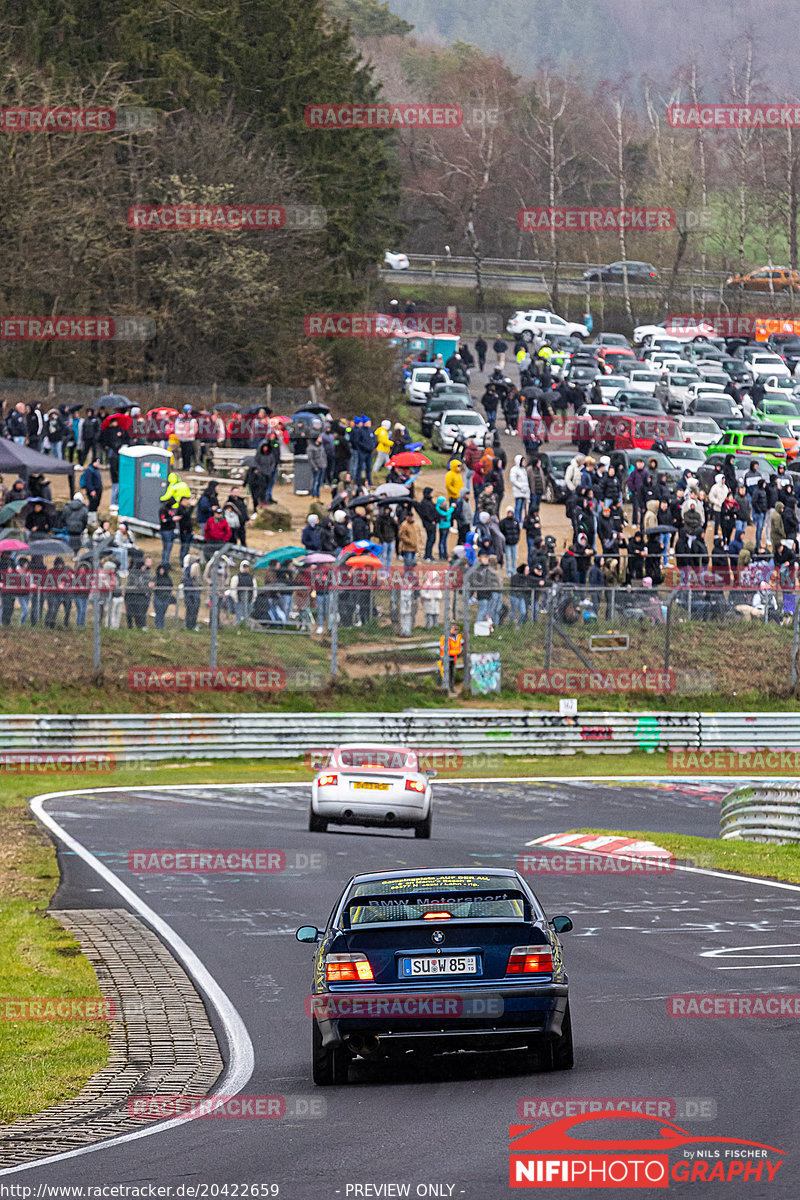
[(176, 489), (383, 439), (408, 540), (76, 518), (186, 431), (384, 531), (318, 462), (430, 519), (38, 521), (235, 513), (185, 526), (310, 537), (192, 589), (511, 531), (431, 595), (123, 541), (444, 512), (163, 594), (17, 425), (520, 487), (207, 503), (166, 517), (217, 532), (91, 483), (244, 590), (137, 595), (758, 504)]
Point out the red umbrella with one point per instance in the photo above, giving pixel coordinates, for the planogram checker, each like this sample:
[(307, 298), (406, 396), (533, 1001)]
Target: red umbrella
[(410, 458)]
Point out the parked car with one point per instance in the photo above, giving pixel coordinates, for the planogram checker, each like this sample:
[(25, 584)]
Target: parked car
[(540, 321), (637, 272), (623, 462), (642, 380), (446, 396), (701, 431), (685, 457), (761, 363), (750, 441), (636, 431), (462, 422), (673, 392), (554, 464), (611, 339), (419, 383), (609, 385), (741, 465), (637, 402)]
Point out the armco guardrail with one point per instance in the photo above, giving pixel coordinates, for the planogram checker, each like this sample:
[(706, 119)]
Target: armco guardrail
[(749, 731), (287, 735), (762, 812)]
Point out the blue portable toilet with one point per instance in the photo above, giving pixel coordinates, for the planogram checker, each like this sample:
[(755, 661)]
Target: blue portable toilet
[(143, 474)]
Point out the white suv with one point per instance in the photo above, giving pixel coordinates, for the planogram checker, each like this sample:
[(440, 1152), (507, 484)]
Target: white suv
[(418, 385), (540, 321)]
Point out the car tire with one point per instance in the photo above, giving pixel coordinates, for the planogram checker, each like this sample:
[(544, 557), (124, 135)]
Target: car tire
[(329, 1064), (561, 1051), (316, 824), (549, 494), (423, 830)]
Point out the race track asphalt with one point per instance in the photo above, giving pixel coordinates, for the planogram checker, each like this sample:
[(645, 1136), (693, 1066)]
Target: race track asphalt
[(637, 940)]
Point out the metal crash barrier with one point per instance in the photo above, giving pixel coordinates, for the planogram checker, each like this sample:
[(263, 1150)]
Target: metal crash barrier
[(762, 812)]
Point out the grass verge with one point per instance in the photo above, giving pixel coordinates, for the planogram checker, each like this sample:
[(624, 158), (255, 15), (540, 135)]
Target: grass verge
[(744, 858)]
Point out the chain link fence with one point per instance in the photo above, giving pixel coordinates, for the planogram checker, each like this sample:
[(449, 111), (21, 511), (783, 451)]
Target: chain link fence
[(226, 627)]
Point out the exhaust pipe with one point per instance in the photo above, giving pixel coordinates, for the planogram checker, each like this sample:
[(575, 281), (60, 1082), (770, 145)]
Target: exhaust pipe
[(365, 1044)]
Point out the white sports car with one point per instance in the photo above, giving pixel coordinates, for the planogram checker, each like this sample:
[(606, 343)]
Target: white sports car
[(397, 262), (366, 784)]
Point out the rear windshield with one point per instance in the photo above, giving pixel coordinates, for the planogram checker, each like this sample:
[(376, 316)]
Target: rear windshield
[(373, 758), (455, 897)]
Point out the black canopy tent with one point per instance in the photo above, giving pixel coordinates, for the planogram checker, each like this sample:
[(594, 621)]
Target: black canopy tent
[(22, 462)]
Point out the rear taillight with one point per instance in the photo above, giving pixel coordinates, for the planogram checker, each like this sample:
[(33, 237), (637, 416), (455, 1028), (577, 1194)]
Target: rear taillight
[(348, 968), (414, 785), (327, 780), (530, 960), (437, 916)]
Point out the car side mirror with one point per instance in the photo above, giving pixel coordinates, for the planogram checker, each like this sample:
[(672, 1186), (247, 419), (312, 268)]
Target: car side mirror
[(561, 924), (310, 933)]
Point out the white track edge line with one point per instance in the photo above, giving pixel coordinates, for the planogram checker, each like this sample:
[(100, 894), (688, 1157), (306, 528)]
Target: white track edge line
[(241, 1057)]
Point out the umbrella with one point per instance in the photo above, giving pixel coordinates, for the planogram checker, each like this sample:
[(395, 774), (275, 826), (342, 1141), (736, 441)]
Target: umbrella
[(363, 560), (397, 491), (31, 501), (318, 558), (357, 501), (410, 458), (316, 409), (114, 400), (413, 446), (228, 406), (363, 544), (49, 546), (281, 555), (13, 544), (661, 529), (10, 510)]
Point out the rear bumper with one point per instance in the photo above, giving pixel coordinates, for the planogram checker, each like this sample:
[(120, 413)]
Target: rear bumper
[(392, 811), (528, 1013)]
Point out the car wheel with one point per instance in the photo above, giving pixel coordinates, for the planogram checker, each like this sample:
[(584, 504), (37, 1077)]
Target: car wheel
[(549, 494), (329, 1064), (316, 824), (423, 830)]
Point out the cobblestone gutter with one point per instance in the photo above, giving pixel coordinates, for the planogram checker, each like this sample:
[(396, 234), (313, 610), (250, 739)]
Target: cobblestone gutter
[(163, 1043)]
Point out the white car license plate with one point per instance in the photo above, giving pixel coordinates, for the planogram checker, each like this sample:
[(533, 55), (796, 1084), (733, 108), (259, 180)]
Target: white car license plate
[(441, 964)]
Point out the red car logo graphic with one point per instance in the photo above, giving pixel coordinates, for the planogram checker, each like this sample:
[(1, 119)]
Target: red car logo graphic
[(526, 1139)]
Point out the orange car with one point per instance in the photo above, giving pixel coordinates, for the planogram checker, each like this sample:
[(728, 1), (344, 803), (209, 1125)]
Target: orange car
[(766, 279)]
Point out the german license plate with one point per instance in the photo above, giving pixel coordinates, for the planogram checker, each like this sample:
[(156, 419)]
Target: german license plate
[(372, 787), (441, 964)]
